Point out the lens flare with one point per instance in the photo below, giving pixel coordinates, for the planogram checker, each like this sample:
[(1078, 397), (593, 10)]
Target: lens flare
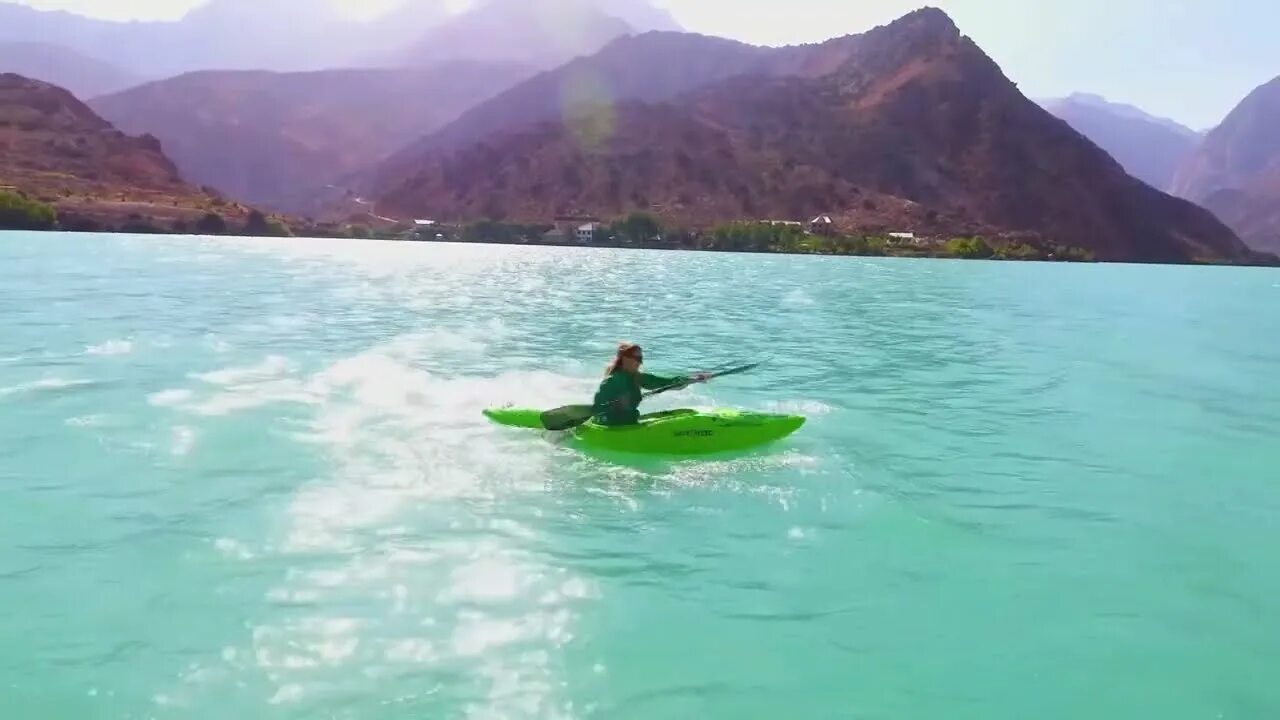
[(589, 110)]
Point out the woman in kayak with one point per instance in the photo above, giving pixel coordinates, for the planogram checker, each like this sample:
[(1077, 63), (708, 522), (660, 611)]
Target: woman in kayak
[(618, 399)]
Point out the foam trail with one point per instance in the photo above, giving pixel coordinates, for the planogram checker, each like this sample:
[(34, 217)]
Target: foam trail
[(46, 385), (405, 513), (110, 348)]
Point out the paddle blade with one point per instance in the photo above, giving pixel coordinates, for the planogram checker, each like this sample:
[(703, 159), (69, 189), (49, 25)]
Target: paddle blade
[(567, 418)]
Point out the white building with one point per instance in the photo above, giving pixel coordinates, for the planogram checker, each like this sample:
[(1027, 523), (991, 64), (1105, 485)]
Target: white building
[(587, 233), (425, 230)]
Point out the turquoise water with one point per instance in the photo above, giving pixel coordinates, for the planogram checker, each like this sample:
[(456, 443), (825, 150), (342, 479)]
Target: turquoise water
[(247, 478)]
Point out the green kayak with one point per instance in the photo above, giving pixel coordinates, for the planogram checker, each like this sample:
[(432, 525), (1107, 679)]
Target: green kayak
[(679, 432)]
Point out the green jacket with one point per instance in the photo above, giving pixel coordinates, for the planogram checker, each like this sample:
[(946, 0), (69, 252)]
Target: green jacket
[(618, 399)]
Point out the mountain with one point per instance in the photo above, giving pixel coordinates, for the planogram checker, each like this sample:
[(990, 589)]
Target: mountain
[(82, 75), (907, 127), (1236, 170), (641, 15), (542, 34), (278, 139), (300, 35), (284, 35), (1124, 110), (651, 67), (1234, 155), (55, 149), (19, 23), (1150, 148)]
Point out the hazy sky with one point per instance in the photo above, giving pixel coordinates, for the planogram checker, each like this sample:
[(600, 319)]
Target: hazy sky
[(1191, 60)]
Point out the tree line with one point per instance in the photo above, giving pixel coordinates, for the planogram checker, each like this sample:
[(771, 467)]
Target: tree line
[(634, 230), (646, 230)]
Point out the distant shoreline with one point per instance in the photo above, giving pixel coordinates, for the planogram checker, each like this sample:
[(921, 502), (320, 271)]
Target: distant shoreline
[(889, 253), (638, 230), (895, 253)]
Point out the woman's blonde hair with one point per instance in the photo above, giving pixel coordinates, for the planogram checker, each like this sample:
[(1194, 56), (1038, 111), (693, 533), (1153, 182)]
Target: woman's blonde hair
[(625, 350)]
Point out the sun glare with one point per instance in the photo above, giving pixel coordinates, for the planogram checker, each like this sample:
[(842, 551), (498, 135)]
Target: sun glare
[(366, 9)]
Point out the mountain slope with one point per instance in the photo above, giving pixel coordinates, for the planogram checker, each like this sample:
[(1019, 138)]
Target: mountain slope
[(1124, 110), (1253, 213), (56, 149), (909, 127), (1244, 147), (652, 67), (542, 34), (1150, 149), (1236, 171), (278, 140), (84, 76)]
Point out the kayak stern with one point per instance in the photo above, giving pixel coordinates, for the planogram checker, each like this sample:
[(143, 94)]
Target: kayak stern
[(516, 417)]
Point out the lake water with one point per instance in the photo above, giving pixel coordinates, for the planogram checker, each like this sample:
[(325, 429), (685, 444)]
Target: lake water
[(250, 479)]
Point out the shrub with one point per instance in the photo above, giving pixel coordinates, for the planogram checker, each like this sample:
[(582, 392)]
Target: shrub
[(1020, 251), (874, 245), (1075, 254), (19, 213), (638, 228), (138, 225), (211, 224), (490, 231), (972, 247), (760, 237), (257, 225)]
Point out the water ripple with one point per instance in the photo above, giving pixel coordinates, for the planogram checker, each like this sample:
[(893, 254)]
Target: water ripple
[(251, 478)]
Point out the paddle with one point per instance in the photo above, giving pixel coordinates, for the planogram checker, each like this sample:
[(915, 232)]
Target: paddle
[(571, 416)]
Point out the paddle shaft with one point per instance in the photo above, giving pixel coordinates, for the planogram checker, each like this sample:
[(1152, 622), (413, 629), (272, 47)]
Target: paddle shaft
[(705, 378)]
